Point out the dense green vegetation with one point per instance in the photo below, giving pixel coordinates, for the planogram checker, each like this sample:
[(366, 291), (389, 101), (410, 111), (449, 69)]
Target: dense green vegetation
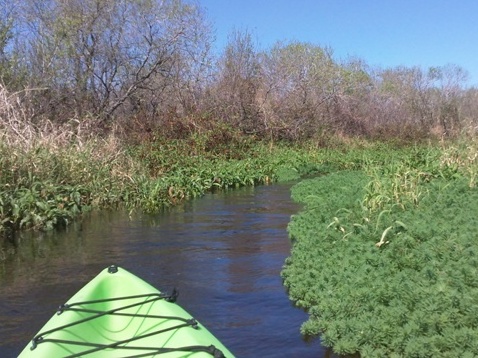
[(43, 186), (385, 257)]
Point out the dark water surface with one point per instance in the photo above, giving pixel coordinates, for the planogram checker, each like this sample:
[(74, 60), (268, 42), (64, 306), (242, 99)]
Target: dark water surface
[(223, 252)]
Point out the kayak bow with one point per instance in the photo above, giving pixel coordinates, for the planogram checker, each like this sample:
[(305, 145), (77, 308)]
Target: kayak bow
[(119, 315)]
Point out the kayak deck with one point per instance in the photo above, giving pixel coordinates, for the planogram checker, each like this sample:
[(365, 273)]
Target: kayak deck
[(119, 315)]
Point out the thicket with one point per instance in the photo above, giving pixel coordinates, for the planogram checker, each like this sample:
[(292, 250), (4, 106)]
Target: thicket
[(384, 259), (149, 66)]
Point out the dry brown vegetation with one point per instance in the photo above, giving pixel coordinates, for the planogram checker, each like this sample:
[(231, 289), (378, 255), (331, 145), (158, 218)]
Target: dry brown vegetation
[(147, 67)]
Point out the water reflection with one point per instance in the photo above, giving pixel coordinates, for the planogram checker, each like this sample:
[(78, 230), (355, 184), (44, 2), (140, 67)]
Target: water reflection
[(223, 252)]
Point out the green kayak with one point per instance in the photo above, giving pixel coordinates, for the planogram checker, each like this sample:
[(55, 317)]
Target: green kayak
[(119, 315)]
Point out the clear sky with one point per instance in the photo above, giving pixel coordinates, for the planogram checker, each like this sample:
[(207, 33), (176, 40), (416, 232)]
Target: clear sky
[(386, 33)]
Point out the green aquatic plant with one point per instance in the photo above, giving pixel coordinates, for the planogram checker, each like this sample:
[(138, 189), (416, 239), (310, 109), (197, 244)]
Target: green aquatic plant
[(146, 176), (41, 205), (390, 280)]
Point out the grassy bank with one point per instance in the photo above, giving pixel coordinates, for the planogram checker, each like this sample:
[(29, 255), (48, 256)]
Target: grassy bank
[(51, 175), (384, 256), (47, 181)]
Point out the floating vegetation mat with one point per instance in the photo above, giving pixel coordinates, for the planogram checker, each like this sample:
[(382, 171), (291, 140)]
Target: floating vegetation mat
[(398, 279)]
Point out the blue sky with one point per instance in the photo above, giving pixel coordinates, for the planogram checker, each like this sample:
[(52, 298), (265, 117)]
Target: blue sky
[(386, 33)]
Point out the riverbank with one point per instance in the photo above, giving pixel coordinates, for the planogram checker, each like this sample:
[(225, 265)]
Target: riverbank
[(384, 257), (52, 177), (49, 180)]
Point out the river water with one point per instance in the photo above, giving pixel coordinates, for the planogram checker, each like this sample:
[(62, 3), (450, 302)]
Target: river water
[(223, 252)]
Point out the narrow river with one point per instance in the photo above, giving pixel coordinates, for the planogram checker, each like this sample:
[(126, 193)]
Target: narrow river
[(223, 252)]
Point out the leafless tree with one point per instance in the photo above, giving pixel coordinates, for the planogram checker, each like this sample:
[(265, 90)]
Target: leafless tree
[(96, 55), (237, 82)]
